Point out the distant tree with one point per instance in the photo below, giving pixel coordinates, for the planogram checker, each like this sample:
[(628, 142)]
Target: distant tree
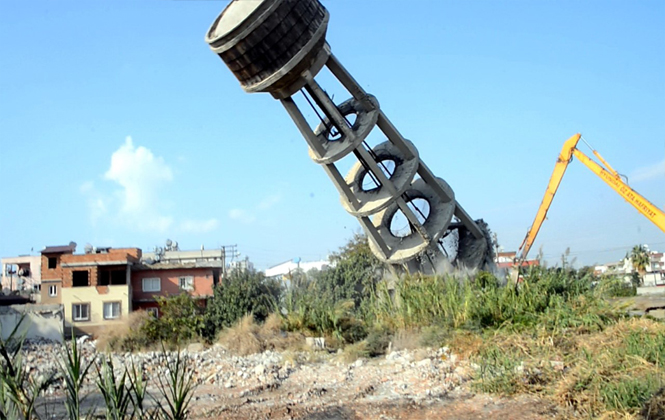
[(243, 292), (353, 272), (181, 320), (586, 272), (639, 257)]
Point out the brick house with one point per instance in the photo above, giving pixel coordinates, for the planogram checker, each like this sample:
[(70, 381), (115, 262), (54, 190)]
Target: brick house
[(173, 272), (103, 285), (94, 288)]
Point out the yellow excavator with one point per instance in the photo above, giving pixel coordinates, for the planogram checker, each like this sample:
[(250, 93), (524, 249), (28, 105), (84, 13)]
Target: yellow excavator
[(605, 172)]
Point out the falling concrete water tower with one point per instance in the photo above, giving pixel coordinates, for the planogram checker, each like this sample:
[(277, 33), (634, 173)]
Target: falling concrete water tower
[(279, 47)]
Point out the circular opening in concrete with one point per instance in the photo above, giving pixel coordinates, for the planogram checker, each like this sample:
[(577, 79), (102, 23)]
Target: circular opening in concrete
[(333, 134), (449, 243), (399, 223), (369, 181)]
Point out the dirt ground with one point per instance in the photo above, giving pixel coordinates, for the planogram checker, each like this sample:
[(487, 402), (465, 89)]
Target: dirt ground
[(372, 390), (459, 405)]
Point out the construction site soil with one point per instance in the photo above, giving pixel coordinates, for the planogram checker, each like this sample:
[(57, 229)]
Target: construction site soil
[(315, 384)]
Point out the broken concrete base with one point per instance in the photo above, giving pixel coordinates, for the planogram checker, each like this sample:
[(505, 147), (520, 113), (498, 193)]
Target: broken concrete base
[(36, 321)]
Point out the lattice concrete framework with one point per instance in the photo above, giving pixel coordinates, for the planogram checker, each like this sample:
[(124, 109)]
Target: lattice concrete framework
[(279, 46)]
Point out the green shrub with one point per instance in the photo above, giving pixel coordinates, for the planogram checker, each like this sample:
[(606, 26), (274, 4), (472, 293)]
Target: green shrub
[(616, 287), (629, 394), (334, 301), (181, 321), (242, 293), (648, 347), (434, 336), (378, 341), (354, 272), (498, 371), (553, 299), (308, 312)]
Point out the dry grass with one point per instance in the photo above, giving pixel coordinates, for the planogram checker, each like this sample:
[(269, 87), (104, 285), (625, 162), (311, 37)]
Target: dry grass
[(609, 374), (353, 352), (119, 335), (465, 343), (248, 337), (408, 339), (616, 369)]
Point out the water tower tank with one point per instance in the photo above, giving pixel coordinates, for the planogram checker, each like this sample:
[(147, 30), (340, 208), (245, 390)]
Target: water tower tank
[(267, 44)]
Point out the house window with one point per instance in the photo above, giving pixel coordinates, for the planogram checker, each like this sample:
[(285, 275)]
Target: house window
[(112, 277), (52, 262), (53, 291), (152, 284), (80, 279), (186, 283), (36, 287), (154, 312), (81, 312), (111, 310)]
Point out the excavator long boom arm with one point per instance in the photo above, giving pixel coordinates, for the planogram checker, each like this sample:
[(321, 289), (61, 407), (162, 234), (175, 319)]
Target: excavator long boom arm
[(644, 206), (608, 174), (555, 180)]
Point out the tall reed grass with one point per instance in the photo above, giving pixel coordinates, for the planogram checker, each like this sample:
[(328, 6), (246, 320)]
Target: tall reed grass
[(124, 394), (547, 298)]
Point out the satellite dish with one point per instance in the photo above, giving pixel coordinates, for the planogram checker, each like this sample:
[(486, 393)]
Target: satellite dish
[(169, 243), (88, 249), (175, 246), (72, 245)]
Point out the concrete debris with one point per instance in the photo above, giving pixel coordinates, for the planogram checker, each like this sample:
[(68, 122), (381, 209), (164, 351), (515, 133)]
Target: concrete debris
[(418, 375)]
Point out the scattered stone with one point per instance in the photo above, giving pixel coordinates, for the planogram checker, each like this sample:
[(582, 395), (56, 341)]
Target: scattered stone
[(316, 342), (195, 348), (424, 363), (259, 370), (556, 365), (420, 375)]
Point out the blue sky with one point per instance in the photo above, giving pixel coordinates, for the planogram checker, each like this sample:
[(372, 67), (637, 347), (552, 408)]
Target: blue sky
[(119, 127)]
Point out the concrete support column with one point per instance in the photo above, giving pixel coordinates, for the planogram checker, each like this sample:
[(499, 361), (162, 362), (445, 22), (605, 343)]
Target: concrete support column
[(241, 36)]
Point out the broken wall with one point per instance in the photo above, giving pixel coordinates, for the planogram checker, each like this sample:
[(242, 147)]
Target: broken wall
[(40, 321)]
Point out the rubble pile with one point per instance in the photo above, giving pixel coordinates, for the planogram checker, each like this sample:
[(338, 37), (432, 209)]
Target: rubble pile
[(307, 378)]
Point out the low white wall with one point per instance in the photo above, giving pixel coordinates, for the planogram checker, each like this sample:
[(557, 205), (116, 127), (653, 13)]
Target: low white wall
[(652, 290), (39, 321)]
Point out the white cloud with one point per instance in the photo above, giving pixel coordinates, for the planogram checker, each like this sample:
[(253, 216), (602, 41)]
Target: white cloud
[(645, 173), (199, 226), (141, 175), (249, 216), (139, 202), (87, 186), (241, 216), (269, 202), (97, 204)]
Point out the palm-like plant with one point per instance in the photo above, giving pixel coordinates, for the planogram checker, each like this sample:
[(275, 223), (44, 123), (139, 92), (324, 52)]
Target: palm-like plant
[(116, 393), (74, 369), (639, 257), (177, 388)]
